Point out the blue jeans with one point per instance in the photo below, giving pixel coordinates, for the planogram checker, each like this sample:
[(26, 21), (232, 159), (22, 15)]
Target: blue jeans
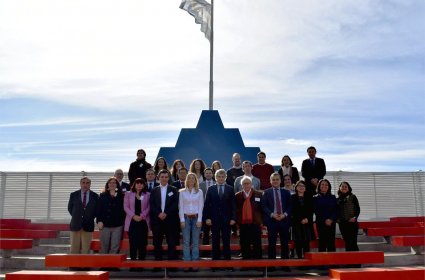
[(191, 228)]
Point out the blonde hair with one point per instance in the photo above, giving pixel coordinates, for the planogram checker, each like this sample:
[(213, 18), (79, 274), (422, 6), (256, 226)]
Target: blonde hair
[(196, 186)]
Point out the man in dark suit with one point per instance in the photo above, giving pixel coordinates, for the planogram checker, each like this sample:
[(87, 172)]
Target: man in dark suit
[(219, 212), (151, 182), (82, 208), (179, 184), (313, 170), (276, 203), (164, 212), (119, 174)]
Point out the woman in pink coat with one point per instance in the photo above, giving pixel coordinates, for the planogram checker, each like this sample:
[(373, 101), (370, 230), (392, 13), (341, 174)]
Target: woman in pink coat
[(137, 223)]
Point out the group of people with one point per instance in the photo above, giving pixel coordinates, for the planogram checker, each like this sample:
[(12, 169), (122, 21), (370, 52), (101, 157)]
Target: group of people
[(215, 202)]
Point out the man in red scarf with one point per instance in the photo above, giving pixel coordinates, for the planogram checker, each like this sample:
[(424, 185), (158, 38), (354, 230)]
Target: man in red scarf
[(249, 219)]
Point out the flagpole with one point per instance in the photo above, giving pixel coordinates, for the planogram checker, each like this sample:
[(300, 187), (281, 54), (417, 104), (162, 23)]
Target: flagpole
[(211, 56)]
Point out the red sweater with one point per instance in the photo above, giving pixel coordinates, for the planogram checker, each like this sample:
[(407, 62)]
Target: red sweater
[(263, 173)]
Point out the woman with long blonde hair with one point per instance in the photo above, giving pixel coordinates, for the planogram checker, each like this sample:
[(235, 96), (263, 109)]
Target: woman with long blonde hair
[(191, 204)]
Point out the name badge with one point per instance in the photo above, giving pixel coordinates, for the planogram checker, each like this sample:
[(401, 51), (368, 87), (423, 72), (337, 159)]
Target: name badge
[(170, 194), (257, 199)]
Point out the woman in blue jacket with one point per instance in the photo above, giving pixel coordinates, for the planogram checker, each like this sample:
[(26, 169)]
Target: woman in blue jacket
[(325, 208)]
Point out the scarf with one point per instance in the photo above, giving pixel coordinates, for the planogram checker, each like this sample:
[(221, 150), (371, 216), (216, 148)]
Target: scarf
[(247, 209)]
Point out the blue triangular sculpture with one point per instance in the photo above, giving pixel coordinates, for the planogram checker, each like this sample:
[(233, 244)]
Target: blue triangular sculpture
[(209, 141)]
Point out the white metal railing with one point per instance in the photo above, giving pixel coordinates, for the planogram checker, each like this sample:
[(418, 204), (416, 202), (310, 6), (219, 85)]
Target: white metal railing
[(43, 196)]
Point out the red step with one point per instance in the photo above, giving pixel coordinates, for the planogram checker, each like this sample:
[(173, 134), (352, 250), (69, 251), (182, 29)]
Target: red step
[(370, 273), (57, 275), (401, 241), (10, 244), (395, 231)]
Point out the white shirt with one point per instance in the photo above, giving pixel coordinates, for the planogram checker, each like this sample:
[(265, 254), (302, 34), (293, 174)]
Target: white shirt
[(190, 203), (163, 196)]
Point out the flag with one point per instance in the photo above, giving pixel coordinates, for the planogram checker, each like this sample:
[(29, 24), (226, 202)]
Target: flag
[(201, 11)]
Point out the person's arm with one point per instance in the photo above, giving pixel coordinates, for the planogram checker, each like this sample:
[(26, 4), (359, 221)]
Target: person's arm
[(200, 206), (70, 204), (181, 209), (127, 202)]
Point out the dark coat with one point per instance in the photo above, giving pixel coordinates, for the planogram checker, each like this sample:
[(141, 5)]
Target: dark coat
[(294, 178), (309, 171), (171, 205), (82, 218), (217, 209), (300, 211), (255, 206), (268, 203), (325, 207)]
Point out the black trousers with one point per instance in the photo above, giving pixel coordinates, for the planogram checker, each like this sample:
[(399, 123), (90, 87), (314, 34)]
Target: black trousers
[(220, 229), (281, 228), (349, 234), (206, 229), (326, 237), (250, 235), (167, 228), (138, 237)]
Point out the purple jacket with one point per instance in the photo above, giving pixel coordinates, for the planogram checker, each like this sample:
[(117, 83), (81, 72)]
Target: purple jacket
[(129, 208)]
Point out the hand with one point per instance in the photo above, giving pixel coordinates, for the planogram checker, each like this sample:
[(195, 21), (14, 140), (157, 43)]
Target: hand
[(162, 216), (208, 222), (352, 220), (137, 218), (328, 222), (232, 222), (182, 225), (304, 221), (314, 181), (198, 224), (100, 225)]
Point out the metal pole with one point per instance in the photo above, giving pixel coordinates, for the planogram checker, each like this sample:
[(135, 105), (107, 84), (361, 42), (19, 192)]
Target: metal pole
[(211, 56)]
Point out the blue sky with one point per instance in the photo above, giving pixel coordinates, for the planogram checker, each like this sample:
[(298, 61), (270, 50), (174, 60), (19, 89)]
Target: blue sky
[(84, 84)]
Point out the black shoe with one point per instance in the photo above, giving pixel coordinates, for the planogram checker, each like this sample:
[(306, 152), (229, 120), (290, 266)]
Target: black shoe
[(271, 269), (156, 269)]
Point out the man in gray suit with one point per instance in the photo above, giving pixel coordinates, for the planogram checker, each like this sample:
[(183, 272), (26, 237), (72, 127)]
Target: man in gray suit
[(247, 169), (82, 208)]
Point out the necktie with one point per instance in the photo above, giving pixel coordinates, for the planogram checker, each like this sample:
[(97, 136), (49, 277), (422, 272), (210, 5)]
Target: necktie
[(150, 186), (278, 204), (220, 191), (312, 161), (84, 199)]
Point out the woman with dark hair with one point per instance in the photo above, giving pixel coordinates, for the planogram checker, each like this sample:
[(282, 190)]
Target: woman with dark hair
[(302, 219), (177, 164), (348, 213), (287, 184), (287, 168), (216, 165), (110, 217), (161, 164), (325, 208), (198, 166), (137, 220)]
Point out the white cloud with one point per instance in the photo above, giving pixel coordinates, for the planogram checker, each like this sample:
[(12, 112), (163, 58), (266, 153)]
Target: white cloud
[(335, 74)]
